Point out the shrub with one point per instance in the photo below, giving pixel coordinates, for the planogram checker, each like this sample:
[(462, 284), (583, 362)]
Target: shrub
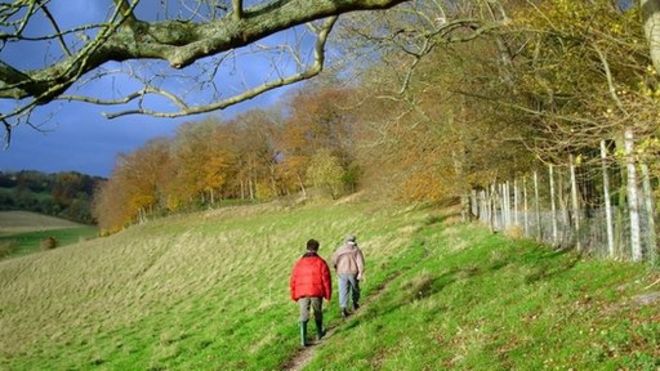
[(514, 232), (7, 247), (48, 243), (326, 173)]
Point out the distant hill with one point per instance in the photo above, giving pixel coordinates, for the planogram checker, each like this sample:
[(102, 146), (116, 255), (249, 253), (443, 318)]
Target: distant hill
[(25, 221), (65, 194)]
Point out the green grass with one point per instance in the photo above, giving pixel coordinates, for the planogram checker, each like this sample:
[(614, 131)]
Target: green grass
[(467, 299), (29, 242), (206, 290), (210, 291)]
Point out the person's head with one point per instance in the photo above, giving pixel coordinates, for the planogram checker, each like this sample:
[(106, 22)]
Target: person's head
[(313, 245), (351, 239)]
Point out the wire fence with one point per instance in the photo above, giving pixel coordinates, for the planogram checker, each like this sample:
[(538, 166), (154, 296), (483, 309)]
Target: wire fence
[(604, 209)]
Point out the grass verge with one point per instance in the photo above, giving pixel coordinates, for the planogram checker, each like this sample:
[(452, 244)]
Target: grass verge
[(467, 299)]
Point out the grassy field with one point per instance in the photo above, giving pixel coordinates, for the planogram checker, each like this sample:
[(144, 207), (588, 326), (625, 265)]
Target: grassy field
[(26, 221), (195, 291), (21, 232), (19, 244), (210, 291)]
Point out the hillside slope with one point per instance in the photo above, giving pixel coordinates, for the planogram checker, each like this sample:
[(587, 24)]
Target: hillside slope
[(209, 291), (468, 299), (192, 291), (21, 232), (25, 221)]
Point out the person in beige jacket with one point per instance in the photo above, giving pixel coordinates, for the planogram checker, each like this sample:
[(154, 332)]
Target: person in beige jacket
[(349, 266)]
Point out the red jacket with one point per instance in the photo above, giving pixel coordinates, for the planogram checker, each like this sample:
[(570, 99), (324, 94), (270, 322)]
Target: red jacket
[(310, 277)]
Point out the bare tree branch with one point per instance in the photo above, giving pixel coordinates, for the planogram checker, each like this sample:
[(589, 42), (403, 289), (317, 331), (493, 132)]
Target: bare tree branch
[(177, 42), (237, 6), (53, 22), (313, 70)]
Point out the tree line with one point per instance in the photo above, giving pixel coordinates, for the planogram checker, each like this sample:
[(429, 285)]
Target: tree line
[(450, 98), (63, 194), (257, 156)]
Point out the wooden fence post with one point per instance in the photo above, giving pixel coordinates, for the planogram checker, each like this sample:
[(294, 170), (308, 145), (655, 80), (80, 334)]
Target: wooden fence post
[(507, 195), (651, 240), (525, 208), (553, 206), (633, 199), (537, 207), (493, 207), (608, 201), (516, 220), (574, 199), (503, 205)]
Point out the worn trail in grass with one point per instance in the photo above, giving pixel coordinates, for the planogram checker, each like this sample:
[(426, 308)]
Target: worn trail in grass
[(301, 358)]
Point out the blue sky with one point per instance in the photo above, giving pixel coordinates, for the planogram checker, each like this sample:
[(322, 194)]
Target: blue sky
[(75, 136)]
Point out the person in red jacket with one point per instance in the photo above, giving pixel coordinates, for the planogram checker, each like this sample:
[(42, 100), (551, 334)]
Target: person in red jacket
[(310, 282)]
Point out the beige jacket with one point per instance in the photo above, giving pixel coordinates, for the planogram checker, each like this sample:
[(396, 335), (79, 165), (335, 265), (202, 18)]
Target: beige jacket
[(349, 259)]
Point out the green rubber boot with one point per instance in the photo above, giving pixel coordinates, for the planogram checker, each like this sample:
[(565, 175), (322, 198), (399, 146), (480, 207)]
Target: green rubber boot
[(319, 329), (303, 333)]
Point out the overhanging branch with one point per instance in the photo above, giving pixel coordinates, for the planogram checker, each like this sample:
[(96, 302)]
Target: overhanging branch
[(313, 70), (179, 43)]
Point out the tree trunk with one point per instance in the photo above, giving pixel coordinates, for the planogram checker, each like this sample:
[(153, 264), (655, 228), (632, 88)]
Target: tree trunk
[(273, 181), (483, 213), (465, 207), (458, 169), (606, 195), (651, 19), (633, 199), (302, 186)]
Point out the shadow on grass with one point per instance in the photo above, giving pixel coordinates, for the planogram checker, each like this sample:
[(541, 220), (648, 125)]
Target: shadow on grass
[(439, 219), (547, 271)]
